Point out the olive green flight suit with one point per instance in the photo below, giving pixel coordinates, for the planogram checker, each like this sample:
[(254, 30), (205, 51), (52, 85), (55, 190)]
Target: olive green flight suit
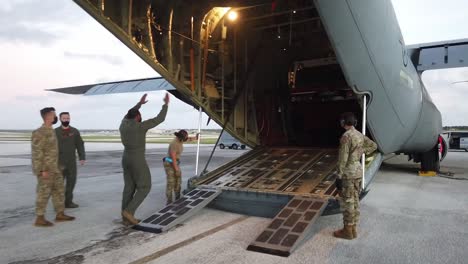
[(44, 151), (137, 177), (69, 142)]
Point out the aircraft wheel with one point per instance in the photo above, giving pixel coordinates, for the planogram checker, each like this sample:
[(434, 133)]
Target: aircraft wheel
[(235, 146), (243, 147), (221, 146), (430, 160)]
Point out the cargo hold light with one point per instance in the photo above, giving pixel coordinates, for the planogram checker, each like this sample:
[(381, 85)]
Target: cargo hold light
[(232, 15)]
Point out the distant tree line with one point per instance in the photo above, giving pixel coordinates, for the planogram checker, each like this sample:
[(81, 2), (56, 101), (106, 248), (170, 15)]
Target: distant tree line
[(455, 127)]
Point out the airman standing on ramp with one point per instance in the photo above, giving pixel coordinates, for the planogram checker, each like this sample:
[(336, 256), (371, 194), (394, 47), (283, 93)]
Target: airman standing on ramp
[(172, 162), (137, 177)]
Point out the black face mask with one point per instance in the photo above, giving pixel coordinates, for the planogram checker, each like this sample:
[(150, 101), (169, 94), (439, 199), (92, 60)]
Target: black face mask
[(65, 123), (55, 120)]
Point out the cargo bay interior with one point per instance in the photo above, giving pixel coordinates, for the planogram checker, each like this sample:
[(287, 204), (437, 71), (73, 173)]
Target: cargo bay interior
[(295, 81), (266, 72), (287, 66)]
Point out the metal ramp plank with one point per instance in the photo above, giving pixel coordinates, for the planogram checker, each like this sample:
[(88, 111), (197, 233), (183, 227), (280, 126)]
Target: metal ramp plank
[(179, 211), (289, 227)]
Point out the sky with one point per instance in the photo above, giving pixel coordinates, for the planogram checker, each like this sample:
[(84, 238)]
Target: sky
[(48, 44)]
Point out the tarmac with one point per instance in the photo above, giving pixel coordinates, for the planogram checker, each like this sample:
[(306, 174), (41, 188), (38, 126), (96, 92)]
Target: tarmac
[(405, 218)]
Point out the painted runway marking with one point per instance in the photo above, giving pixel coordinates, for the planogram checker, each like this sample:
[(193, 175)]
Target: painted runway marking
[(187, 242)]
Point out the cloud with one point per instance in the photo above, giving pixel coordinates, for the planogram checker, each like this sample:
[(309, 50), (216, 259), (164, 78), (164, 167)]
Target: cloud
[(449, 98), (37, 21), (96, 112), (114, 60), (424, 21), (53, 43), (23, 34)]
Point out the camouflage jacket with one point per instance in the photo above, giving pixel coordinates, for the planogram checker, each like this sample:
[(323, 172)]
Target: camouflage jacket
[(44, 150), (352, 145)]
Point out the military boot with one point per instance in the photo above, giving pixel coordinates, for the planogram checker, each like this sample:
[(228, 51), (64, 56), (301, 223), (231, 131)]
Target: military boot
[(125, 222), (354, 231), (42, 222), (129, 217), (71, 205), (62, 217), (345, 233)]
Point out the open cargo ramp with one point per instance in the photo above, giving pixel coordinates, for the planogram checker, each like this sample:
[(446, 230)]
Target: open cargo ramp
[(278, 170), (179, 211), (290, 227)]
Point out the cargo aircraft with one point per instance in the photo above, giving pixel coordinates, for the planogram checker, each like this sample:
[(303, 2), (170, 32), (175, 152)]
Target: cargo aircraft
[(277, 75)]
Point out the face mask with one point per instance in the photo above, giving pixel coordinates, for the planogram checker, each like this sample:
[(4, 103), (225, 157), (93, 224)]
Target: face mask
[(55, 120), (65, 123)]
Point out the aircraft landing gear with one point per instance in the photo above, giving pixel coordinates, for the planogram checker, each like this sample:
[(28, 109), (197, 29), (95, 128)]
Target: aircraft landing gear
[(430, 160)]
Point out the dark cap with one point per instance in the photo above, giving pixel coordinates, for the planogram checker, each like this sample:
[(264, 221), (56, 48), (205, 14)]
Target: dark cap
[(132, 113), (46, 110)]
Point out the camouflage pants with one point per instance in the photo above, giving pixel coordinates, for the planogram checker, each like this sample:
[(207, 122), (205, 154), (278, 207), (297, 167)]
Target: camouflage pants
[(350, 201), (52, 186), (173, 182)]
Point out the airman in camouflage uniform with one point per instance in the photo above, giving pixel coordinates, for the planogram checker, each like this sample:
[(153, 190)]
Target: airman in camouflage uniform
[(349, 177), (171, 165), (137, 176), (44, 150)]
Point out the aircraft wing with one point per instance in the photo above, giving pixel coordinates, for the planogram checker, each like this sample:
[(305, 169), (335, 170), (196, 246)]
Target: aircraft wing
[(129, 86), (439, 55)]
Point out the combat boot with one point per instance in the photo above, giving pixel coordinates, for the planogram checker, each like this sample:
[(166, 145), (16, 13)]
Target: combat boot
[(125, 222), (62, 217), (345, 233), (354, 231), (129, 217), (42, 222), (71, 205)]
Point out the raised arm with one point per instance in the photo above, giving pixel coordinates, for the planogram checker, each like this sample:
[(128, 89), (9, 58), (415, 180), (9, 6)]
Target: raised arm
[(193, 138), (139, 104), (153, 122)]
